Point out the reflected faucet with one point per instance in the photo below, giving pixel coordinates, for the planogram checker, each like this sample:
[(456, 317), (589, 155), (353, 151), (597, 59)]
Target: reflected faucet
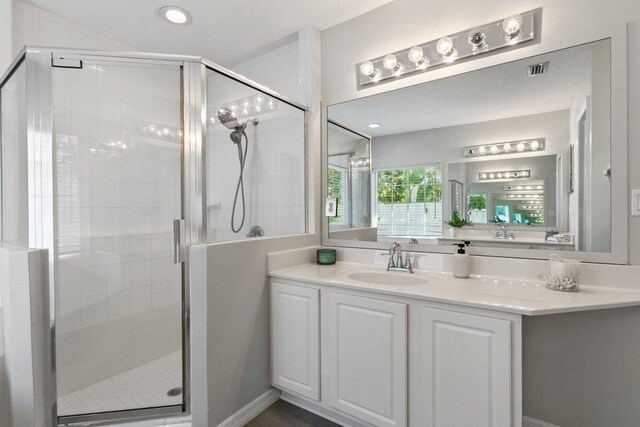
[(503, 233)]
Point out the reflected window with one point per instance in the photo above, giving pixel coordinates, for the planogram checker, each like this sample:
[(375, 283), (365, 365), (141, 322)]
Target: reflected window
[(477, 205), (409, 201), (337, 189)]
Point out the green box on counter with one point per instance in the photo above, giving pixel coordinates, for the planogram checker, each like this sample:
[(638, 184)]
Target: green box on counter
[(326, 256)]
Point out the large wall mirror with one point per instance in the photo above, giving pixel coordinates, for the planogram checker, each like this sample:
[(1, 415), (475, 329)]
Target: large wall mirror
[(521, 151)]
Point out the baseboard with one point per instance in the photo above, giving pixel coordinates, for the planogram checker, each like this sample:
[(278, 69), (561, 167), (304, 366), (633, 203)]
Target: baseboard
[(532, 422), (318, 410), (252, 410)]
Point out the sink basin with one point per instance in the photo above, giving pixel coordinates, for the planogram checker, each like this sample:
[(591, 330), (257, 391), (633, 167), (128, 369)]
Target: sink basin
[(380, 278)]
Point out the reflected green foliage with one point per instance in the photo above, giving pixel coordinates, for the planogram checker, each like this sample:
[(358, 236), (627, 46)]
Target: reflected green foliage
[(410, 185), (477, 202)]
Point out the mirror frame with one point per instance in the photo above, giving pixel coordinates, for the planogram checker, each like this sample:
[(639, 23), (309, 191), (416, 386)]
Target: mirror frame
[(619, 143)]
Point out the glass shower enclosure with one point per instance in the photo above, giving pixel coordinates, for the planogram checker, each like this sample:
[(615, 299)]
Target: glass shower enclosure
[(105, 165)]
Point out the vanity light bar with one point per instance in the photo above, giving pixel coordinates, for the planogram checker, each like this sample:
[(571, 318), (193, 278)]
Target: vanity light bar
[(510, 147), (523, 187), (360, 161), (531, 208), (492, 176), (510, 31), (524, 196), (533, 202)]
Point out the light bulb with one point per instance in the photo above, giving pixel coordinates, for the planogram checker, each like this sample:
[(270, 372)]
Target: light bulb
[(507, 147), (494, 149), (482, 150), (535, 145), (520, 147), (491, 176), (259, 99), (445, 46), (511, 26), (367, 68), (499, 175), (390, 61), (416, 55), (484, 176)]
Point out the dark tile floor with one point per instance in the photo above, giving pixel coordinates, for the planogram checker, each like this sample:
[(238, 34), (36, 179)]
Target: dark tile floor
[(283, 413)]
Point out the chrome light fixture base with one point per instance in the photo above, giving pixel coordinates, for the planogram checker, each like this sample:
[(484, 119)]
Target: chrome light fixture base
[(474, 41)]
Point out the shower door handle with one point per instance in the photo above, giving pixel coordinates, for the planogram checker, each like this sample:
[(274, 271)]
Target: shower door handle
[(178, 241)]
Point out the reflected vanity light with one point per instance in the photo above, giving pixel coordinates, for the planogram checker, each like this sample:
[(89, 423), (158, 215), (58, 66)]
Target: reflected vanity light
[(250, 106), (360, 161), (524, 187), (497, 175), (524, 146), (506, 32), (524, 196)]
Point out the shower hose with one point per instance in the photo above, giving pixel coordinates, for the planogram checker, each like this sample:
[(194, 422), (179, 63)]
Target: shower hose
[(242, 157)]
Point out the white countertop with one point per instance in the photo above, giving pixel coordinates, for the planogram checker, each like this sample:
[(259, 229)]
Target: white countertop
[(527, 297)]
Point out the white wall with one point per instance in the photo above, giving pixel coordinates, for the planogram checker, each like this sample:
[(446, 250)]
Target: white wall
[(230, 290), (445, 144), (408, 22), (35, 26), (22, 364), (274, 170)]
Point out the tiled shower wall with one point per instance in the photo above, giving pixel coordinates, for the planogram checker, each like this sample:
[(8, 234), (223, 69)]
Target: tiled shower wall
[(275, 167), (118, 292)]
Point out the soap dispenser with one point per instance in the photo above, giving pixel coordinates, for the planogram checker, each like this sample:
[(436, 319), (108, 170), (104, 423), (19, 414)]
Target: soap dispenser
[(461, 261)]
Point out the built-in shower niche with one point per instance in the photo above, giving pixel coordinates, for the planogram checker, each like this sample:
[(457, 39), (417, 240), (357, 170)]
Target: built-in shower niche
[(274, 170)]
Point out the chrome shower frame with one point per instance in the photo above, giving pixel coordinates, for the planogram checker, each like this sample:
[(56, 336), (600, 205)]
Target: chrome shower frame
[(38, 62)]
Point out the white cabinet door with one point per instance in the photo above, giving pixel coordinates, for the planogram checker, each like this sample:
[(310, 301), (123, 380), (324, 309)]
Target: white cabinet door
[(295, 337), (466, 370), (367, 355)]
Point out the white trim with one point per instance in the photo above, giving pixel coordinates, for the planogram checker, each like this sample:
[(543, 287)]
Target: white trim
[(252, 409), (532, 422)]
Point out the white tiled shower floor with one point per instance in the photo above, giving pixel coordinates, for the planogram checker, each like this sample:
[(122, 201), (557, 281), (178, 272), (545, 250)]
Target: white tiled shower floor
[(142, 387)]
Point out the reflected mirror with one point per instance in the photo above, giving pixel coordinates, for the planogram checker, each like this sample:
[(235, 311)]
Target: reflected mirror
[(520, 151)]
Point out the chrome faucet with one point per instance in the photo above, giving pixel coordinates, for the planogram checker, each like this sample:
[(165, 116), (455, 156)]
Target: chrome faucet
[(397, 262), (503, 233)]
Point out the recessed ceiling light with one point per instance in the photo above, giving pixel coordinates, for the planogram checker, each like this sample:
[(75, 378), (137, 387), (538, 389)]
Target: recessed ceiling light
[(175, 15), (374, 125)]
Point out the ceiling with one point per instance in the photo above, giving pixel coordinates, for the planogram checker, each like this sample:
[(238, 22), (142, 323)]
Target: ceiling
[(222, 31), (489, 94)]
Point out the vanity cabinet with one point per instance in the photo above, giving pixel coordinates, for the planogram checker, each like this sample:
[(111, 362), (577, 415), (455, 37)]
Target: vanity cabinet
[(395, 361), (466, 376), (295, 339), (367, 357)]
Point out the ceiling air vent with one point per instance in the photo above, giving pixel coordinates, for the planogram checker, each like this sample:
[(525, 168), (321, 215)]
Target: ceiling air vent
[(538, 69)]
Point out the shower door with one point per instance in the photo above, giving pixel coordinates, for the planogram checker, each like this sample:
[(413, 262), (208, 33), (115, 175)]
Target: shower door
[(117, 140)]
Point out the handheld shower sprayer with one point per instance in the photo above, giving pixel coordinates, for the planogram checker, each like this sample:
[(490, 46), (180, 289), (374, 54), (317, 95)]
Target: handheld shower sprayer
[(230, 121)]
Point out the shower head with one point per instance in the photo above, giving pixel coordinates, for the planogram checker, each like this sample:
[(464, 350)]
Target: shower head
[(236, 135), (228, 119)]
